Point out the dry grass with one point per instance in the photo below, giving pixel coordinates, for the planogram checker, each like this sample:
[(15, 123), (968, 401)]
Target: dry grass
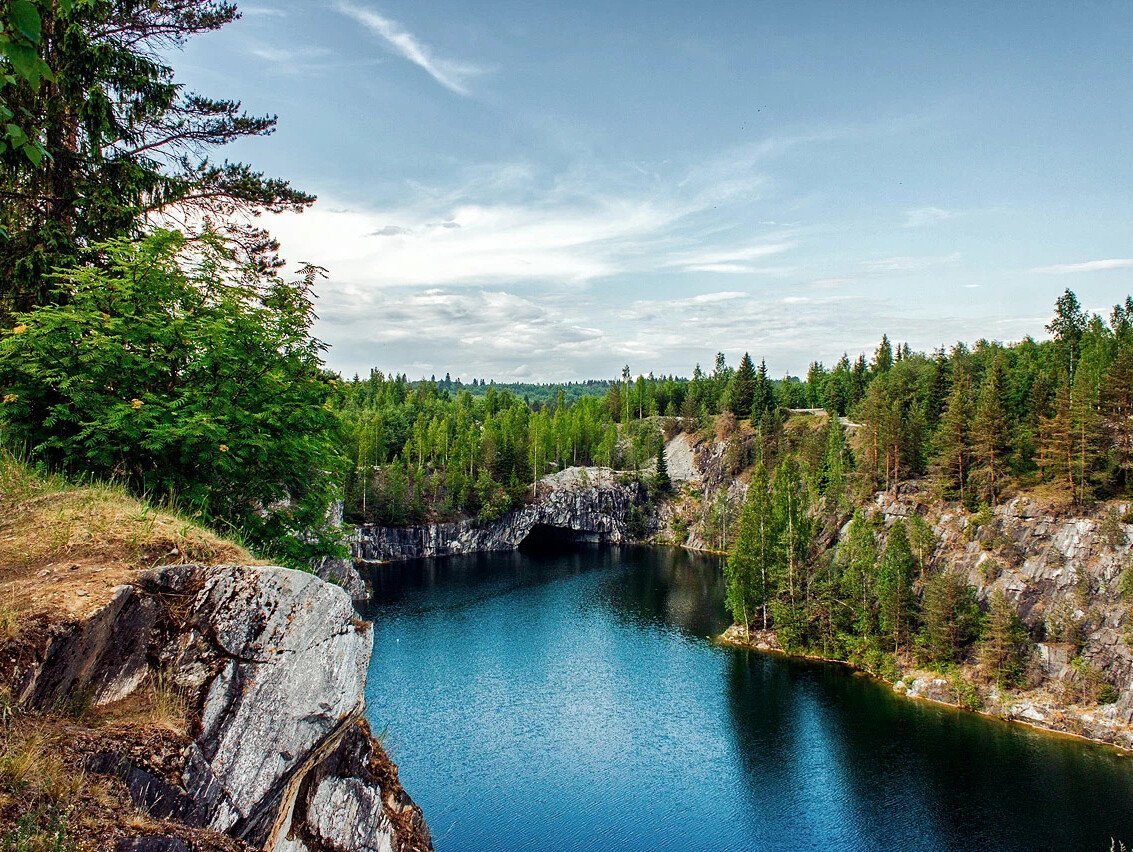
[(31, 768), (63, 547)]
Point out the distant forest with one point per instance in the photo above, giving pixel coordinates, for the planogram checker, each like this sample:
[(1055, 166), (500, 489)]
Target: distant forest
[(983, 420)]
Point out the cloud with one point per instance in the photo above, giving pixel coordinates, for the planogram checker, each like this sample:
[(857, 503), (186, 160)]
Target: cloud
[(285, 55), (1085, 266), (908, 264), (262, 11), (730, 260), (507, 224), (922, 216), (449, 73)]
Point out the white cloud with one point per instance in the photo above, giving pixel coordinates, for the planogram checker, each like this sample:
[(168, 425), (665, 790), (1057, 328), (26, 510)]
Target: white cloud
[(908, 264), (451, 74), (1085, 266), (921, 216), (285, 55)]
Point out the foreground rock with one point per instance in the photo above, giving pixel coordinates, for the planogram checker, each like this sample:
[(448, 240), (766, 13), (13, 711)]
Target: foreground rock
[(588, 504), (272, 663)]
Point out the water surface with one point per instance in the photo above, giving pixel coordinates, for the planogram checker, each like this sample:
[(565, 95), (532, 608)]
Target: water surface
[(572, 700)]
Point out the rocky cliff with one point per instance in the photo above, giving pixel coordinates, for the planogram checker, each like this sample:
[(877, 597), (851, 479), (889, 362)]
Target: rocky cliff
[(592, 504), (267, 666), (1062, 569)]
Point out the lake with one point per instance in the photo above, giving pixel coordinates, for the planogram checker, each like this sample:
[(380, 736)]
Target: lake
[(573, 699)]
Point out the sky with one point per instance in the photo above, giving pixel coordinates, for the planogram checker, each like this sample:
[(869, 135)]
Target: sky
[(548, 191)]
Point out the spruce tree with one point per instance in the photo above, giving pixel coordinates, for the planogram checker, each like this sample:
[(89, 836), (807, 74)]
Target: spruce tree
[(663, 483), (1117, 404), (991, 437), (953, 439), (1005, 646), (895, 587), (950, 617), (742, 391)]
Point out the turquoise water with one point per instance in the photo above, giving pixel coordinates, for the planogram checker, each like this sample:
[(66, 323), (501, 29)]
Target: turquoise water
[(573, 701)]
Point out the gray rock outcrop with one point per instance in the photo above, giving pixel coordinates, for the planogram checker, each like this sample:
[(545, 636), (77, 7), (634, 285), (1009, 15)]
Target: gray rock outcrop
[(593, 504), (273, 663)]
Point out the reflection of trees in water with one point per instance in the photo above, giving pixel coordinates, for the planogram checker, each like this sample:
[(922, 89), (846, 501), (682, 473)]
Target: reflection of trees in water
[(462, 581), (866, 769), (668, 587)]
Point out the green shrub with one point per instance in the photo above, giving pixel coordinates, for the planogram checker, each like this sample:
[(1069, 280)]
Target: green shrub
[(187, 377)]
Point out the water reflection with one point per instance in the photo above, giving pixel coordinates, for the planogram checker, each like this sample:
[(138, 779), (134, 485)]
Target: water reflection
[(569, 700)]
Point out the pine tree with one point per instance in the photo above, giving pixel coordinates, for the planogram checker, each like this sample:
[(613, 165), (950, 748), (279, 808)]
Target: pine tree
[(894, 587), (991, 437), (950, 617), (121, 141), (742, 392), (953, 440), (1005, 645)]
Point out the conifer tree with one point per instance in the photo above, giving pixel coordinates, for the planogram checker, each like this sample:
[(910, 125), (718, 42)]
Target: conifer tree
[(763, 396), (742, 391), (1005, 646), (1056, 447), (950, 617), (894, 587), (953, 439), (663, 483), (883, 358), (991, 436), (1117, 404)]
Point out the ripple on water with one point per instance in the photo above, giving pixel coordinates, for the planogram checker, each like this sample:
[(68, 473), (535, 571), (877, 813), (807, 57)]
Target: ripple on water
[(570, 701)]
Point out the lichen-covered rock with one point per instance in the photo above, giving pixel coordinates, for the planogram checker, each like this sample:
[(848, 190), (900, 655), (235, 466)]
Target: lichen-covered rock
[(1056, 569), (274, 663), (290, 659), (351, 800), (592, 503), (341, 572)]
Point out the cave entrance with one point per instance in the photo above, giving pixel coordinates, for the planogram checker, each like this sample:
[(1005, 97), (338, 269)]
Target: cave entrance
[(543, 537)]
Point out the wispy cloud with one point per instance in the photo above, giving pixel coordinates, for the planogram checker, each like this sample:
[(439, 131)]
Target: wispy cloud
[(1085, 266), (451, 74), (922, 216), (909, 264), (262, 11), (731, 260), (285, 55)]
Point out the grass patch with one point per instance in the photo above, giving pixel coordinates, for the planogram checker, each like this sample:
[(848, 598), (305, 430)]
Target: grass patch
[(63, 546)]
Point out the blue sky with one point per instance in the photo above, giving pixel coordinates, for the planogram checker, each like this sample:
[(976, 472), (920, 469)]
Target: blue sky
[(526, 190)]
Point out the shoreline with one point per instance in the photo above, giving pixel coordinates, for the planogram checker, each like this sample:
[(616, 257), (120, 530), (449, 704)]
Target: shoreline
[(730, 638)]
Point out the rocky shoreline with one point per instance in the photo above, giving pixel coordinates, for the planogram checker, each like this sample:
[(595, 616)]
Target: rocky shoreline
[(1036, 709)]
